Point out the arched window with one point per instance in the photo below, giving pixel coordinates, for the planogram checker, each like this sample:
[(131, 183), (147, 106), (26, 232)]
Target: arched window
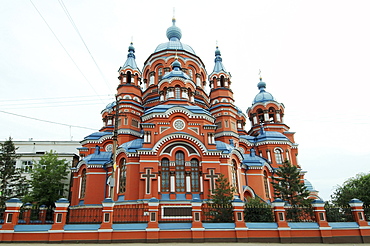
[(128, 77), (177, 92), (278, 156), (234, 180), (265, 183), (272, 115), (165, 175), (83, 184), (195, 175), (260, 115), (222, 81), (122, 176), (180, 171)]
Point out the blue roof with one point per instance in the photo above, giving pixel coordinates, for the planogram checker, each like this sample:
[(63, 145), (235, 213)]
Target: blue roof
[(164, 108), (97, 135), (226, 148), (308, 185), (176, 71), (130, 62), (174, 35), (133, 145), (263, 95), (253, 160), (218, 62), (270, 136), (98, 157)]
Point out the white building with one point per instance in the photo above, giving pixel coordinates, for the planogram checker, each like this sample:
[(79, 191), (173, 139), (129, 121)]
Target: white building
[(31, 151)]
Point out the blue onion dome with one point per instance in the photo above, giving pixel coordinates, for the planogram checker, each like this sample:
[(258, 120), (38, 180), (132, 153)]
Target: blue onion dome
[(131, 48), (176, 65), (217, 52), (263, 95), (173, 33)]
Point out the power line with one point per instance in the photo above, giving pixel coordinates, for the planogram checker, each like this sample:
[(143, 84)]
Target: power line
[(55, 98), (64, 48), (47, 121), (83, 41)]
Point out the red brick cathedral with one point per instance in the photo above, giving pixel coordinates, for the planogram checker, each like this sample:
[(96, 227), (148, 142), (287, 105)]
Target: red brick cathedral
[(165, 137)]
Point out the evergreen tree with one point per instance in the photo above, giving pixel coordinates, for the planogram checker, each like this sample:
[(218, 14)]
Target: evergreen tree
[(289, 187), (221, 201), (12, 183), (256, 210), (48, 179)]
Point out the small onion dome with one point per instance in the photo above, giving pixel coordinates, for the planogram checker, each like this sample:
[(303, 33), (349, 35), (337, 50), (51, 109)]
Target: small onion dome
[(173, 33), (217, 52), (176, 65), (131, 48), (263, 95)]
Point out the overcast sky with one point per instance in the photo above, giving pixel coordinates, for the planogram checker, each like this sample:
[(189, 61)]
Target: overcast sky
[(314, 57)]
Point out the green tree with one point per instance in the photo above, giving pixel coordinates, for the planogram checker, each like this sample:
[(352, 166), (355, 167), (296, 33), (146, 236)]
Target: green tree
[(48, 178), (289, 187), (12, 183), (355, 187), (256, 210), (220, 203)]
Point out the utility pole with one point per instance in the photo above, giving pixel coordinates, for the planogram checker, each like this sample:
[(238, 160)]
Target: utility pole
[(115, 133)]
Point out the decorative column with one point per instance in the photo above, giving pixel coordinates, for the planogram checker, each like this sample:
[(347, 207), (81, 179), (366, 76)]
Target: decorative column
[(321, 219), (105, 230), (240, 226), (280, 218), (27, 213), (60, 219), (197, 229), (358, 214), (152, 230), (42, 213), (11, 214)]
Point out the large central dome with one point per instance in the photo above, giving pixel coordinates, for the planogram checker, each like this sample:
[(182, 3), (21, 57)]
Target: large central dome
[(174, 35)]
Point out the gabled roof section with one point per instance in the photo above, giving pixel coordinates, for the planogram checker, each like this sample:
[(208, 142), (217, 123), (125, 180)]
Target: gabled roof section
[(133, 145), (98, 157), (97, 135), (168, 109)]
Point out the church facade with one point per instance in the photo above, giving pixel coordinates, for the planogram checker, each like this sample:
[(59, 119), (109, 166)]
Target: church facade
[(165, 137)]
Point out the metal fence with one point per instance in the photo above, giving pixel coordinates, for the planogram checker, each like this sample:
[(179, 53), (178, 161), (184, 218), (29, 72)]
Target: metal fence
[(339, 214), (367, 212), (85, 215), (36, 215), (217, 213), (2, 212), (300, 214), (258, 213), (135, 213)]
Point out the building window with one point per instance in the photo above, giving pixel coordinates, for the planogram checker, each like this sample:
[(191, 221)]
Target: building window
[(177, 93), (272, 115), (122, 176), (83, 184), (135, 123), (219, 124), (27, 166), (194, 175), (180, 171), (265, 183), (147, 137), (234, 180), (278, 156), (128, 76), (165, 175), (125, 120), (260, 115)]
